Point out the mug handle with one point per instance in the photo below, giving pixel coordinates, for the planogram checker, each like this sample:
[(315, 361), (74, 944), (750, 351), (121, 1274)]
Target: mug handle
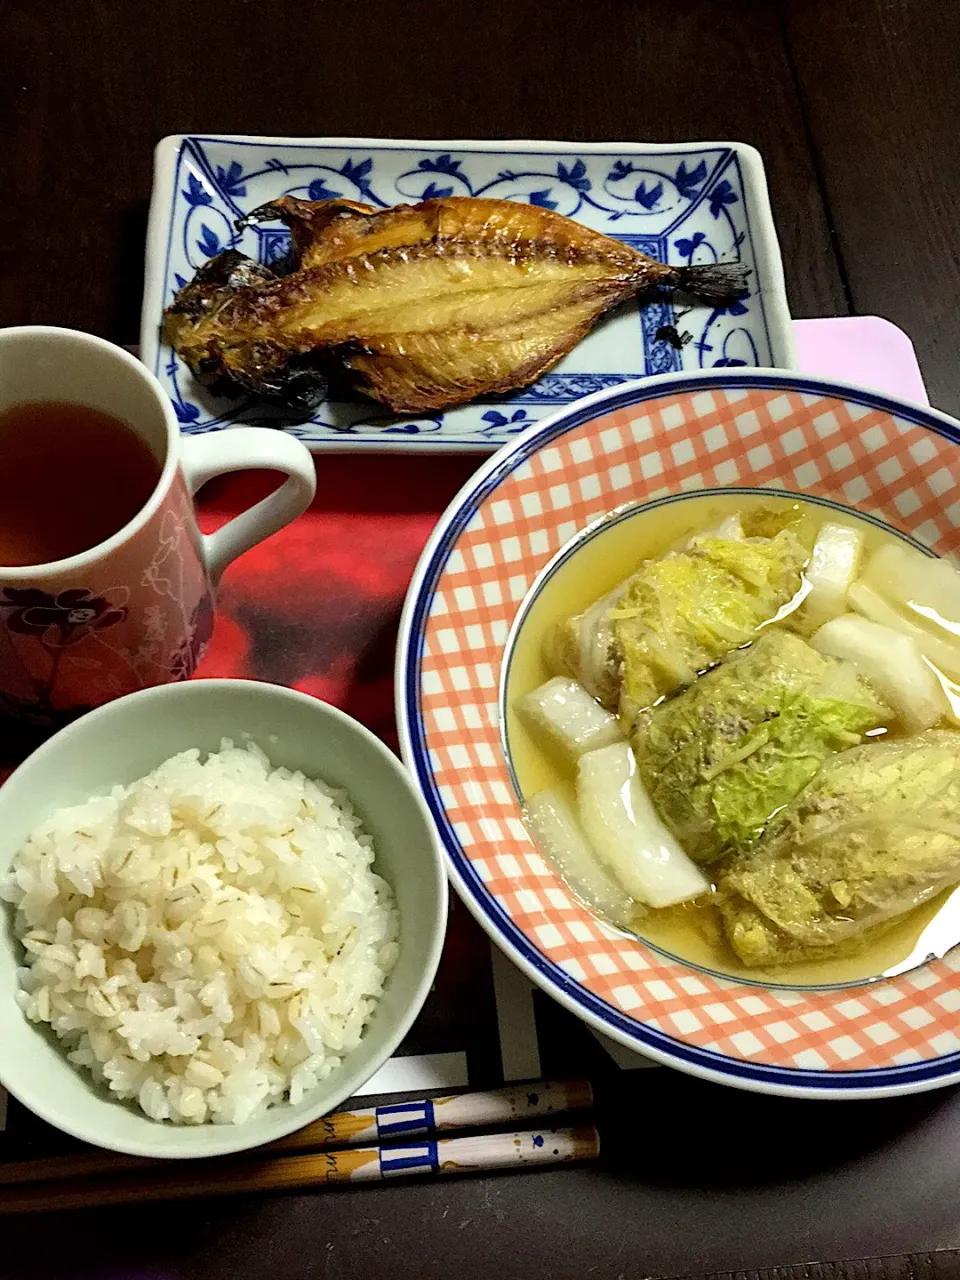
[(248, 449)]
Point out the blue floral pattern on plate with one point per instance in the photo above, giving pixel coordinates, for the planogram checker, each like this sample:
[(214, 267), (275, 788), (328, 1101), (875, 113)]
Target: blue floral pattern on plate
[(690, 203)]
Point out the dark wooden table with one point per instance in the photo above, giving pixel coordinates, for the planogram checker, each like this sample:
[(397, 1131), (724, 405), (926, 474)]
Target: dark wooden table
[(853, 104)]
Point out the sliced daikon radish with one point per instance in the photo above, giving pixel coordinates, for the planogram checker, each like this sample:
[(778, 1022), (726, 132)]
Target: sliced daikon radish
[(843, 683), (729, 528), (564, 713), (833, 566), (623, 828), (889, 661), (942, 652), (951, 693), (560, 839), (928, 589)]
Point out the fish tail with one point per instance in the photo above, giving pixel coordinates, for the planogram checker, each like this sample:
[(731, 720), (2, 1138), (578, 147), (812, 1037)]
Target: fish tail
[(716, 283)]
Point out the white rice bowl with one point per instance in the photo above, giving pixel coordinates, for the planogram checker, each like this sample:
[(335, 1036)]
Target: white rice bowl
[(208, 941)]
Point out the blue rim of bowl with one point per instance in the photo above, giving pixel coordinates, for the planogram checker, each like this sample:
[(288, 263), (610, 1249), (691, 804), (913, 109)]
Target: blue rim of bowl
[(639, 1036)]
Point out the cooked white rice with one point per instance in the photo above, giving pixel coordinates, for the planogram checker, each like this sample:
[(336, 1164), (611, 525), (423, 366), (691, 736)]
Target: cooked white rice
[(209, 940)]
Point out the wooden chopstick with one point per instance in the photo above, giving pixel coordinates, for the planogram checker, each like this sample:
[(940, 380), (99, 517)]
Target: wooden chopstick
[(403, 1120), (186, 1180)]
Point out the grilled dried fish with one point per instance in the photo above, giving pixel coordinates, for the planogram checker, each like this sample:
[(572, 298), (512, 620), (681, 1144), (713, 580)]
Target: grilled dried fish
[(424, 306)]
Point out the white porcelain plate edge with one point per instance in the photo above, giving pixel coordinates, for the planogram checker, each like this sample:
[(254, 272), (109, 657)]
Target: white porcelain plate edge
[(479, 428)]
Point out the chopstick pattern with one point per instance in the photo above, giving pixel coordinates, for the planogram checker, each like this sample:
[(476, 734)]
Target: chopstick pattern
[(180, 1181), (336, 1154)]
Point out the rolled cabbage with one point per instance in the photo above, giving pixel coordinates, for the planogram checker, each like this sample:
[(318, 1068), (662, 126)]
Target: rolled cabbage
[(583, 647), (721, 758), (678, 615), (876, 833)]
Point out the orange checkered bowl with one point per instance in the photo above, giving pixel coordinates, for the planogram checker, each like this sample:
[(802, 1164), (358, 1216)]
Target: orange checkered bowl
[(635, 444)]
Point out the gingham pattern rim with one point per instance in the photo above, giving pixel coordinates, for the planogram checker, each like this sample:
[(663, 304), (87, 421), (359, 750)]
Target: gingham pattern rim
[(570, 990)]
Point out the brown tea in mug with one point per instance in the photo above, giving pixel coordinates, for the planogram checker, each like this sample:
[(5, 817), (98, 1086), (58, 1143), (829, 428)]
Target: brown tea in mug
[(70, 477)]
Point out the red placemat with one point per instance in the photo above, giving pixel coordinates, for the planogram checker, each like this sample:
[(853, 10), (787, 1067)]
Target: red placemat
[(316, 606)]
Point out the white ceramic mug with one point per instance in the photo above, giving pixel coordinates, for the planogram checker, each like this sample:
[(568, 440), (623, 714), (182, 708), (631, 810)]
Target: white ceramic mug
[(137, 609)]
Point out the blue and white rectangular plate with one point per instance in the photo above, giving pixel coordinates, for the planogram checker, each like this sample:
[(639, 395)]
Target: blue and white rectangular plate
[(682, 203)]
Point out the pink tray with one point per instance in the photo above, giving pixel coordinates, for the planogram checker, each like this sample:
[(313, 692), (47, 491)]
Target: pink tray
[(863, 349)]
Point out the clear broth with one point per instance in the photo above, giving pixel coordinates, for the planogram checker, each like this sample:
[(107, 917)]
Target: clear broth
[(693, 931)]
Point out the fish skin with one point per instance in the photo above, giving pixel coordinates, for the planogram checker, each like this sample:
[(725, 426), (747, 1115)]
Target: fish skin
[(425, 306)]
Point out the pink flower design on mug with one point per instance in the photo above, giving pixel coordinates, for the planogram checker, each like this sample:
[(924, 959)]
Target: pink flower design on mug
[(61, 619)]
